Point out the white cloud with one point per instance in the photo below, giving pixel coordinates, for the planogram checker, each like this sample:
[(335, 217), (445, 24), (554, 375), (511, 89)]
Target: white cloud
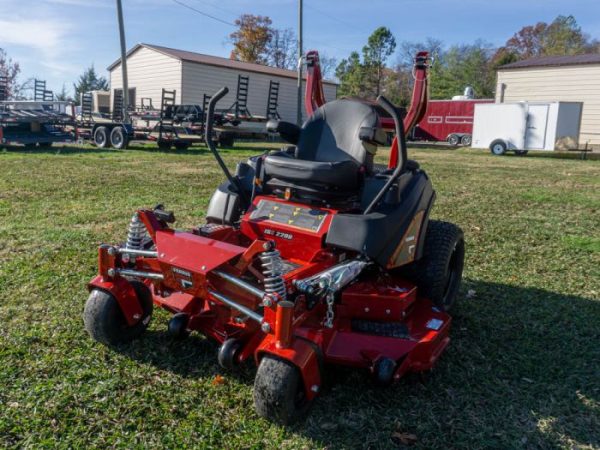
[(45, 36)]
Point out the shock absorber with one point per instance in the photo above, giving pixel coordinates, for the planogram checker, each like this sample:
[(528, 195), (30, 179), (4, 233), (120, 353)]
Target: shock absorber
[(136, 233), (272, 270)]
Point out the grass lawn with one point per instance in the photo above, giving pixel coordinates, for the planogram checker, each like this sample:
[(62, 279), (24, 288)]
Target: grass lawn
[(522, 370)]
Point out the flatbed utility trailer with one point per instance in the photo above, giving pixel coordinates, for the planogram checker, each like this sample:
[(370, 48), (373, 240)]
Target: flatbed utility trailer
[(182, 125), (102, 129), (41, 121), (32, 123)]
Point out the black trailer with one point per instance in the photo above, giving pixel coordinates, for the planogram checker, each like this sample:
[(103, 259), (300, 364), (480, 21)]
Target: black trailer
[(102, 129), (41, 121)]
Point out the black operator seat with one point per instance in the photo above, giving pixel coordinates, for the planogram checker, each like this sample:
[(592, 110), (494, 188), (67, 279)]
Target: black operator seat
[(334, 148)]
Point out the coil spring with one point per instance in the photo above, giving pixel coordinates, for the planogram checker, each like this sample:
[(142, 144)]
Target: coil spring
[(272, 270), (136, 233)]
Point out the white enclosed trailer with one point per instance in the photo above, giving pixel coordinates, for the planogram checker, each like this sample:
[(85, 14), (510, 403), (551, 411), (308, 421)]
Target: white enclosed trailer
[(525, 126)]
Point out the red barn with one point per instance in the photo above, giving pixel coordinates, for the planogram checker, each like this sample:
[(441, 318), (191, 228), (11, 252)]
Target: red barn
[(448, 120)]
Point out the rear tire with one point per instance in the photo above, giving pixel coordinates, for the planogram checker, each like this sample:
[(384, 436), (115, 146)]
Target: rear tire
[(279, 392), (453, 140), (438, 273), (164, 145), (466, 140), (101, 137), (498, 147), (118, 138), (105, 322)]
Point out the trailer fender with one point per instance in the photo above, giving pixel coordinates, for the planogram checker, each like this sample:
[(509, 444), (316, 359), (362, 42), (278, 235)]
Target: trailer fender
[(301, 354), (124, 293)]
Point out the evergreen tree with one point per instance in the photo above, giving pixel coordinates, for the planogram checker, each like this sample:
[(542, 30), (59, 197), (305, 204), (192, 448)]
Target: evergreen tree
[(89, 81)]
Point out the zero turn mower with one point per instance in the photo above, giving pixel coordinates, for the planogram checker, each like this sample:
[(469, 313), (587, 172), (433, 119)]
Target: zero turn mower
[(310, 256)]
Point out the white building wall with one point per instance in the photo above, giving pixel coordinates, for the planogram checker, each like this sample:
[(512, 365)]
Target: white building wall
[(564, 83), (199, 79), (149, 71)]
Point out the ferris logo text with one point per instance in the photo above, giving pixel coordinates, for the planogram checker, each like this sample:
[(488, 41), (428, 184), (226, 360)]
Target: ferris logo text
[(279, 234)]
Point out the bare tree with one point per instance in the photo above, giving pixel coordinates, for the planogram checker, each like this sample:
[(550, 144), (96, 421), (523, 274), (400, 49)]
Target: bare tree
[(9, 69), (328, 65), (282, 49)]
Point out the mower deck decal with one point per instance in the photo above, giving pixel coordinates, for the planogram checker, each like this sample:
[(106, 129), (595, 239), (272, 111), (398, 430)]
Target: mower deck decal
[(290, 215)]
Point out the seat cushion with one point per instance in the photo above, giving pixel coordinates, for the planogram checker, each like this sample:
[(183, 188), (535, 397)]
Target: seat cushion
[(343, 175)]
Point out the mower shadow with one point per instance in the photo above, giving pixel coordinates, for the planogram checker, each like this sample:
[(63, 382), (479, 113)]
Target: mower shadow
[(192, 357), (521, 371)]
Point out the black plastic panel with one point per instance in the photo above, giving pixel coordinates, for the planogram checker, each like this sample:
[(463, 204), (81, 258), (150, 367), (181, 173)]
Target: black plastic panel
[(291, 215)]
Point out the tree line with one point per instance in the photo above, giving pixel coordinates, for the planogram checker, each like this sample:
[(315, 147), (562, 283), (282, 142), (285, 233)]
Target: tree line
[(368, 73)]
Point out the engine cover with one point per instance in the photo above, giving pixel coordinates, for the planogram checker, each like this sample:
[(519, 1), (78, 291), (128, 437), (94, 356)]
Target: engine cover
[(298, 230)]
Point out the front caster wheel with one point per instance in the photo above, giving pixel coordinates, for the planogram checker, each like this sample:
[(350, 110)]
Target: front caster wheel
[(228, 352), (105, 322), (279, 392), (178, 326)]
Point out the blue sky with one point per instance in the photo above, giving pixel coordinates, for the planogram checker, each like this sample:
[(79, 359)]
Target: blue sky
[(56, 39)]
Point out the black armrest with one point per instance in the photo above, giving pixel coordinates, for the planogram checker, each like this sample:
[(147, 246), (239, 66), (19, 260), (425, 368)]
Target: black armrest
[(373, 135), (289, 132)]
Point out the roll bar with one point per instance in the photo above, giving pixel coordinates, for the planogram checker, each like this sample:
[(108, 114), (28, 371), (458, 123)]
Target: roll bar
[(401, 156), (418, 103), (314, 97), (208, 129)]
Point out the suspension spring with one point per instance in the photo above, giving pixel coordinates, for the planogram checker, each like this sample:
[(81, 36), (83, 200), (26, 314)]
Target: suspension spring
[(136, 234), (272, 270)]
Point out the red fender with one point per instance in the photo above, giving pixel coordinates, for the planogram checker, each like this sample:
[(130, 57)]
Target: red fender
[(123, 291), (300, 353)]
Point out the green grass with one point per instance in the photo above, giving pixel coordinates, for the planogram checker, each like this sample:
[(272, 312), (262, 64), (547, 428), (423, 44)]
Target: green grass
[(522, 370)]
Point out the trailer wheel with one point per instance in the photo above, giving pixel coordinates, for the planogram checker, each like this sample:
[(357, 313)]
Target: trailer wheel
[(182, 145), (105, 322), (498, 147), (439, 271), (453, 140), (101, 137), (466, 140), (279, 392), (118, 138), (226, 140), (521, 152)]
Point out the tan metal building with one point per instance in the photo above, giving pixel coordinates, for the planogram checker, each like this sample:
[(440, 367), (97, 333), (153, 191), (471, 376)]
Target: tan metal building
[(557, 78), (151, 68)]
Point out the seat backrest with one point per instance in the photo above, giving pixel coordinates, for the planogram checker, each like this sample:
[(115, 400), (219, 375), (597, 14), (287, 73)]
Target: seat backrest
[(332, 133)]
